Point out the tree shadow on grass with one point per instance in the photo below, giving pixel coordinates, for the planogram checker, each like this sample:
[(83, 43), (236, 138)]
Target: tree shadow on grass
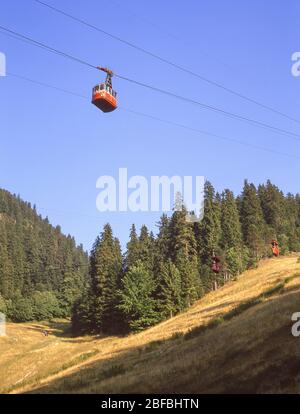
[(212, 308), (244, 365), (59, 329)]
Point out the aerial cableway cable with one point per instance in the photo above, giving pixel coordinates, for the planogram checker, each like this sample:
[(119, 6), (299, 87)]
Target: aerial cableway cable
[(155, 118), (168, 62), (151, 87)]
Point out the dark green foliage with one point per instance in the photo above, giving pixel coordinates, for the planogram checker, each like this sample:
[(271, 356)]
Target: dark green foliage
[(20, 309), (106, 270), (42, 271), (281, 216), (132, 254), (234, 252), (43, 274), (183, 253), (136, 300), (45, 306), (210, 227), (253, 224), (164, 275), (170, 294), (231, 234), (82, 314)]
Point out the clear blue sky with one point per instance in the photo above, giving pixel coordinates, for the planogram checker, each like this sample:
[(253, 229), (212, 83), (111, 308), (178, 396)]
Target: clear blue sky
[(55, 146)]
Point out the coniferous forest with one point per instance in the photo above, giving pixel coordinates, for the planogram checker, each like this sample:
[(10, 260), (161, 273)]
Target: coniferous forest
[(43, 274), (160, 276)]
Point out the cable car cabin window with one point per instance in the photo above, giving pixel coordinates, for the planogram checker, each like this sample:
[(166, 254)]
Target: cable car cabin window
[(101, 87)]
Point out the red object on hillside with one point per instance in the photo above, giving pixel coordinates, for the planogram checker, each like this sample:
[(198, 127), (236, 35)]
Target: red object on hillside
[(104, 97), (275, 248), (216, 265)]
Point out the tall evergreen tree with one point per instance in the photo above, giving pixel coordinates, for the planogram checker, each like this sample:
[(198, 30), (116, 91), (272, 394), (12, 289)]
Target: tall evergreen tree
[(132, 254), (210, 225), (235, 254), (106, 268), (170, 295), (145, 251), (253, 224), (208, 234), (183, 253), (278, 222)]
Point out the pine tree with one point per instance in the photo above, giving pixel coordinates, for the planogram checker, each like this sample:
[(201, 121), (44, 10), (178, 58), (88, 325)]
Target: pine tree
[(163, 239), (209, 236), (183, 253), (106, 268), (210, 225), (170, 295), (145, 250), (82, 314), (253, 225), (231, 235), (132, 254), (275, 214), (292, 215)]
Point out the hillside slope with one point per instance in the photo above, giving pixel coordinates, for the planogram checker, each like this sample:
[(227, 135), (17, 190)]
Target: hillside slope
[(247, 346)]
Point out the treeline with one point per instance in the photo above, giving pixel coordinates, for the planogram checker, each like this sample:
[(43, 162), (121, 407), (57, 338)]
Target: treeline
[(161, 276), (42, 272)]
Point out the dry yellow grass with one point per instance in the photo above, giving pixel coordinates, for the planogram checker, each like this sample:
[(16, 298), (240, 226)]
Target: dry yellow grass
[(252, 352)]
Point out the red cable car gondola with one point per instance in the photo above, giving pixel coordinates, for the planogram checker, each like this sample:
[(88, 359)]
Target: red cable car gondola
[(104, 97), (275, 248), (216, 264)]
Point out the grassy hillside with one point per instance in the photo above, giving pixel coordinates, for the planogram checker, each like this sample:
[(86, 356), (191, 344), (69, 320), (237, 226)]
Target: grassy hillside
[(237, 339)]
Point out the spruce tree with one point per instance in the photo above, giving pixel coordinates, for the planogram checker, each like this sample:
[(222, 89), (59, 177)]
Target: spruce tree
[(132, 254), (231, 235), (209, 236), (278, 222), (145, 250), (210, 225), (253, 225), (183, 253), (106, 268)]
